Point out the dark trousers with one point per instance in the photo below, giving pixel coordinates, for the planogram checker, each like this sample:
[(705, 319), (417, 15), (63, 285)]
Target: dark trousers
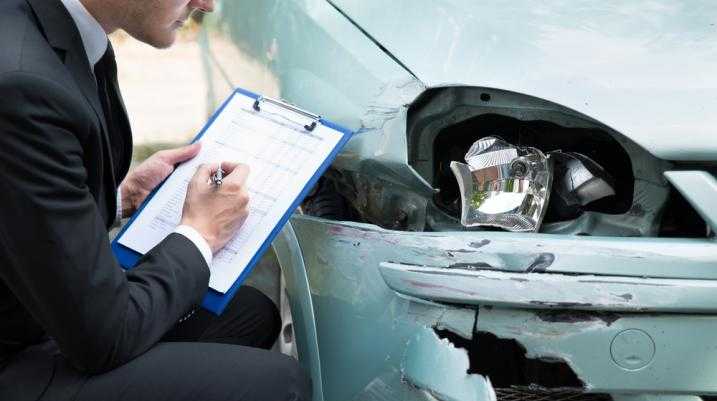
[(204, 358)]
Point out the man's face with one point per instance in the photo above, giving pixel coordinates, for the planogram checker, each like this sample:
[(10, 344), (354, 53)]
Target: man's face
[(156, 22)]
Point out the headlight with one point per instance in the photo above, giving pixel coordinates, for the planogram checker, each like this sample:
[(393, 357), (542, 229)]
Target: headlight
[(509, 187), (503, 185)]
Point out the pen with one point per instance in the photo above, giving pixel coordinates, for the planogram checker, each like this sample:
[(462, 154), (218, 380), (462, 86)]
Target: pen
[(218, 176)]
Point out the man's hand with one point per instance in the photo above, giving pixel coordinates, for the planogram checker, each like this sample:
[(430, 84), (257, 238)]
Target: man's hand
[(144, 178), (217, 211)]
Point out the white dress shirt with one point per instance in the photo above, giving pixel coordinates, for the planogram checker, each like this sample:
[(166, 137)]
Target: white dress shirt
[(95, 41)]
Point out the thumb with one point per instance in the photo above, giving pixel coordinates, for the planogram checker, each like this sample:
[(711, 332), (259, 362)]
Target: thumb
[(178, 155)]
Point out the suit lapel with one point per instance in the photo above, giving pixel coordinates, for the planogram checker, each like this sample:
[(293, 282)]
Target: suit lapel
[(62, 34)]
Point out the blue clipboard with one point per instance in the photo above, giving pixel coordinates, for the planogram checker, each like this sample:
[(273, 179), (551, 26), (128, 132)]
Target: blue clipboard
[(215, 301)]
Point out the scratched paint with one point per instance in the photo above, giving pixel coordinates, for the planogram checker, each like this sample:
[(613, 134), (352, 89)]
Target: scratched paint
[(541, 290)]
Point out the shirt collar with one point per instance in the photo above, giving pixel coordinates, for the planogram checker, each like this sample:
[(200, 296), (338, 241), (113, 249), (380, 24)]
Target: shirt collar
[(93, 36)]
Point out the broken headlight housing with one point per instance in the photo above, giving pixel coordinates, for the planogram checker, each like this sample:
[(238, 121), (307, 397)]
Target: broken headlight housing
[(503, 185), (509, 187)]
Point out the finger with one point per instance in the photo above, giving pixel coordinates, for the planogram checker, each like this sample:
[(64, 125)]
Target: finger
[(228, 167), (205, 171), (178, 155), (239, 174), (243, 198)]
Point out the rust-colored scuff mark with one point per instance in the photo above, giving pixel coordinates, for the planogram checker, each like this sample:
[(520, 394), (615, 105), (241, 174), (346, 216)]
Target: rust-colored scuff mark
[(419, 284), (453, 274), (335, 229)]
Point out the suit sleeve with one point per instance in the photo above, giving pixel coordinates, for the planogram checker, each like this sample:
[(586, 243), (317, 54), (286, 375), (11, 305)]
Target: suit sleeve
[(54, 249)]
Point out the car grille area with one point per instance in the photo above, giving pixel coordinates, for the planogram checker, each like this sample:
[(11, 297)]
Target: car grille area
[(540, 394)]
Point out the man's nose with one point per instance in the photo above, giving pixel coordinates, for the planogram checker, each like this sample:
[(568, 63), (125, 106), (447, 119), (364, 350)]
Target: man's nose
[(206, 6)]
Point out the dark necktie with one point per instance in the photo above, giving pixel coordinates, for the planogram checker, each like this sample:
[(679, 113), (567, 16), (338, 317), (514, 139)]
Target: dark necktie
[(107, 89)]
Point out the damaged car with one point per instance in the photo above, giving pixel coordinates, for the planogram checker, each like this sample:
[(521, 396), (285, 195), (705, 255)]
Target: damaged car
[(526, 210)]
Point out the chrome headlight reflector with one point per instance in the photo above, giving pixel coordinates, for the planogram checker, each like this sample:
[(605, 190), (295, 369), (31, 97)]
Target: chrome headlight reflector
[(503, 185)]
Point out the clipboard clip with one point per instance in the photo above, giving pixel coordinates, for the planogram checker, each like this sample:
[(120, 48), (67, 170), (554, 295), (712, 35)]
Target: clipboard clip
[(313, 117)]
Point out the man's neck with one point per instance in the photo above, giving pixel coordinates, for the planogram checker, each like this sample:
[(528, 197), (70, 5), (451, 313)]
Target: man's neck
[(102, 10), (94, 37)]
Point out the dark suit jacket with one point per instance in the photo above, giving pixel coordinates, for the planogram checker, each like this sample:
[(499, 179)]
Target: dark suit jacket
[(58, 179)]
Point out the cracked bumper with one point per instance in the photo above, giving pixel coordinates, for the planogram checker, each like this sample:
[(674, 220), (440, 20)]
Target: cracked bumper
[(375, 305)]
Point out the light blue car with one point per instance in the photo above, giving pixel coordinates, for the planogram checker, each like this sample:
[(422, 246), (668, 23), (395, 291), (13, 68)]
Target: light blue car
[(393, 297)]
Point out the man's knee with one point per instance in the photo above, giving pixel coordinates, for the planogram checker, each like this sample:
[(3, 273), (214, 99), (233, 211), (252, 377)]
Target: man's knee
[(251, 319), (294, 379), (260, 303), (266, 320), (276, 376)]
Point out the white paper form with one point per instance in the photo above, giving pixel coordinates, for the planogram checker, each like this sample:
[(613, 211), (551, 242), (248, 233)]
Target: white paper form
[(282, 156)]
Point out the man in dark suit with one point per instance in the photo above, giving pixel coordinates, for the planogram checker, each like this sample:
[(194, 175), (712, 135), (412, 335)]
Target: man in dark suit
[(73, 325)]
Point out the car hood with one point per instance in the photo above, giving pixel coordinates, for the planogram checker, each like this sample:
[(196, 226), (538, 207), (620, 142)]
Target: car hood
[(645, 68)]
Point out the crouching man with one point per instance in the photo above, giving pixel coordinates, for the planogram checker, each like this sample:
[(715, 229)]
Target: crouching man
[(73, 325)]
